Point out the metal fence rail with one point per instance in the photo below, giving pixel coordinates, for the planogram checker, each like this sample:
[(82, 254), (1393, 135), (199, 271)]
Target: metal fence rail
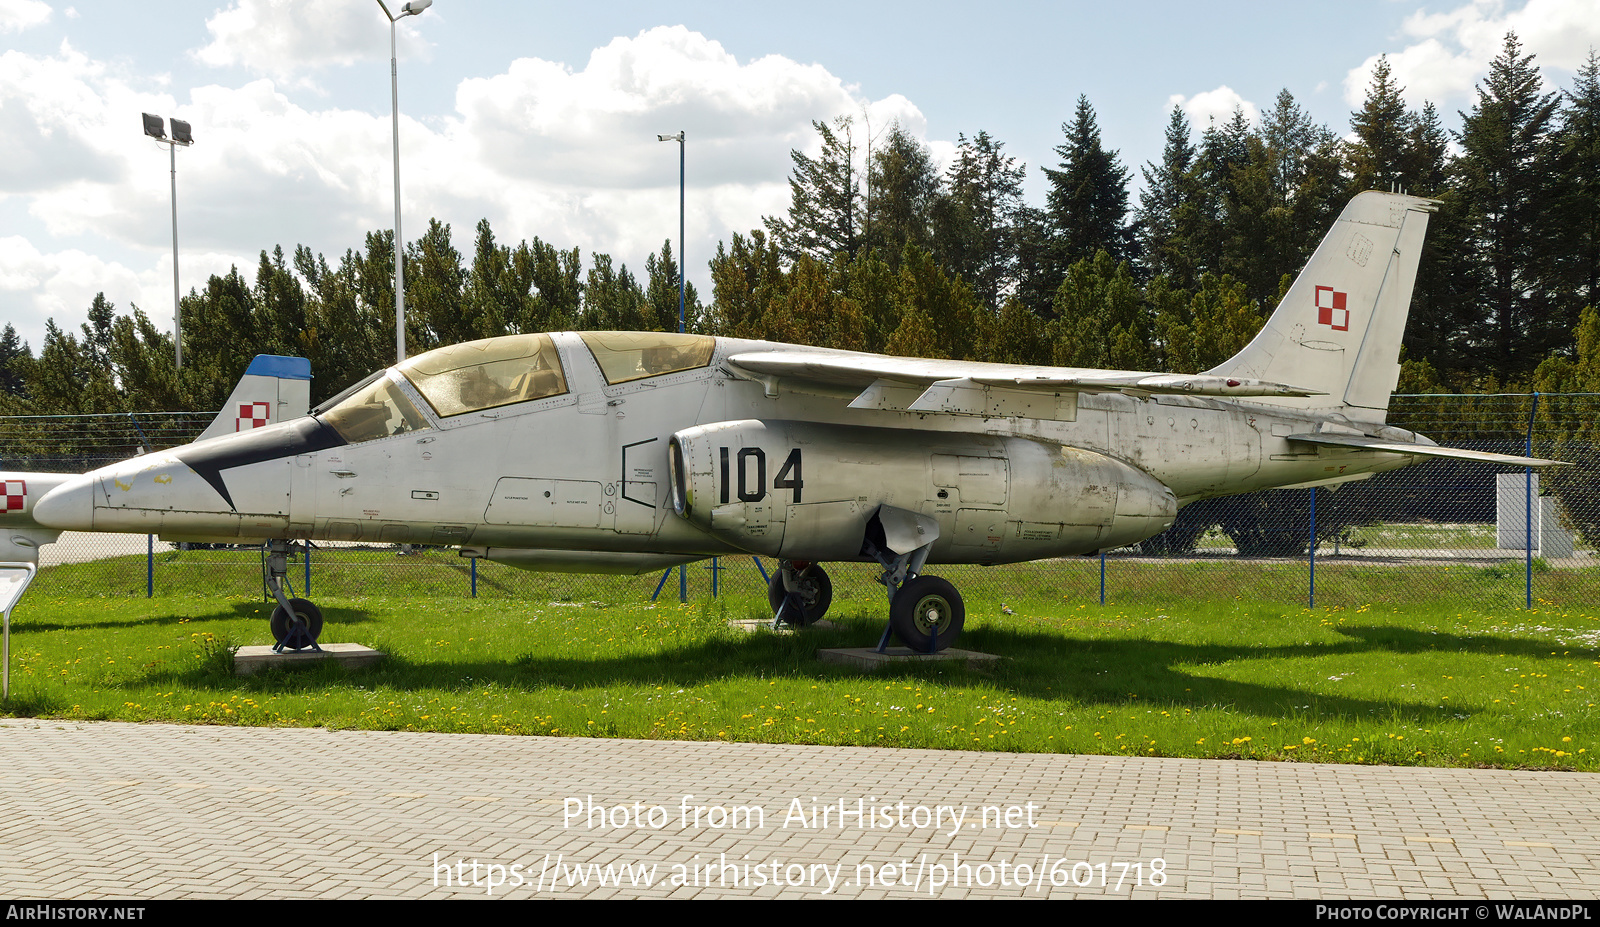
[(1442, 531)]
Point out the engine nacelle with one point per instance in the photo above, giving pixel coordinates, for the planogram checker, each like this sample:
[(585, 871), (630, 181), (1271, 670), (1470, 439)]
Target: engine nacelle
[(807, 491)]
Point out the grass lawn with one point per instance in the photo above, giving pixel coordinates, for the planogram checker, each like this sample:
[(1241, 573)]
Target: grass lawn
[(1175, 670)]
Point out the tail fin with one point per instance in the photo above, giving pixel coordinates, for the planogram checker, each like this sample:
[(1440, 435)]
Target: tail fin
[(1338, 329), (273, 389)]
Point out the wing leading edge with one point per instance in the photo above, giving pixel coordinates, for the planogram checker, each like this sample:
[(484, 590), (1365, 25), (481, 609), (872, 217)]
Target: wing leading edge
[(966, 388)]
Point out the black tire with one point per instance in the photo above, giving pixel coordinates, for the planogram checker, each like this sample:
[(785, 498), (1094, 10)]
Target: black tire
[(923, 605), (813, 606), (307, 634)]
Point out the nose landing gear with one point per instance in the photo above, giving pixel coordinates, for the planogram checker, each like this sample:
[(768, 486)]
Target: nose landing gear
[(799, 593), (296, 623)]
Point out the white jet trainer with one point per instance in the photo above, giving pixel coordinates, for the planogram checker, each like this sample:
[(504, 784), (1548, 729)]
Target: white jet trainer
[(634, 451)]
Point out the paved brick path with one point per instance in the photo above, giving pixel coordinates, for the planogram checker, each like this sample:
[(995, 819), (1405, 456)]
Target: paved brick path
[(140, 811)]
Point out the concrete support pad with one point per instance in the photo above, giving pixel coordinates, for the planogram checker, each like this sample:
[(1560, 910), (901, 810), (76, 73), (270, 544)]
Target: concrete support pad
[(868, 658), (759, 624), (251, 660)]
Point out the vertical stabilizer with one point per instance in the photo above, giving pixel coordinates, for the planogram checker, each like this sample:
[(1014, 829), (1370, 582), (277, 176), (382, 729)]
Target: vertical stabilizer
[(1338, 329), (273, 389)]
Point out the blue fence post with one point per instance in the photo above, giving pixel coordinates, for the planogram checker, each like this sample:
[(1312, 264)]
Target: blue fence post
[(307, 583), (1102, 577), (1527, 506), (474, 577), (149, 566), (1311, 551)]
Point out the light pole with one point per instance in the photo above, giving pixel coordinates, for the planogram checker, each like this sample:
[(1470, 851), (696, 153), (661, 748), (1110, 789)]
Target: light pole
[(411, 8), (681, 264), (154, 126), (683, 571)]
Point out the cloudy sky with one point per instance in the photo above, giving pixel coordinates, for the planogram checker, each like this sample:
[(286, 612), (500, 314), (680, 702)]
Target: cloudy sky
[(543, 117)]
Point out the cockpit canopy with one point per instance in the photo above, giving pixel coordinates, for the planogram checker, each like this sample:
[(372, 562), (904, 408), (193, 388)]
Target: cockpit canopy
[(493, 372), (484, 374)]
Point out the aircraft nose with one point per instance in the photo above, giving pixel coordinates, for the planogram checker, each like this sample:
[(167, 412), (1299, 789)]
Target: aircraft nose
[(68, 507)]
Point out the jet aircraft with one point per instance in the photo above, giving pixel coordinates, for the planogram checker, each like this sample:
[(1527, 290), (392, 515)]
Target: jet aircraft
[(635, 451)]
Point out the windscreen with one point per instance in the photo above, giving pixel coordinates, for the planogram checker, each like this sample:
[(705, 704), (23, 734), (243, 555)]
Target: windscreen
[(374, 411)]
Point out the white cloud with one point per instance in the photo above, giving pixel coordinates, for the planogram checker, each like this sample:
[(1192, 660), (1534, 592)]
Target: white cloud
[(1214, 106), (285, 38), (541, 149), (36, 286), (17, 15), (1450, 51), (598, 126)]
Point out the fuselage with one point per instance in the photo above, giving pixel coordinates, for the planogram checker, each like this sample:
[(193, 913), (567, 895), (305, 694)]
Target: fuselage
[(574, 455)]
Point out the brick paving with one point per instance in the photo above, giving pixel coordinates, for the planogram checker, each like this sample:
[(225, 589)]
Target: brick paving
[(105, 810)]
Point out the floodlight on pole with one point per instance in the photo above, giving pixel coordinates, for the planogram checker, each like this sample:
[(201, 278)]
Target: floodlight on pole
[(411, 8), (155, 127)]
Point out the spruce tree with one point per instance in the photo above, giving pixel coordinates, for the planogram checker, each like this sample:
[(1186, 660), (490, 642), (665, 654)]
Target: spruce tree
[(976, 220), (825, 209), (1503, 182), (1380, 156), (1577, 185), (1166, 191), (1088, 197), (902, 185)]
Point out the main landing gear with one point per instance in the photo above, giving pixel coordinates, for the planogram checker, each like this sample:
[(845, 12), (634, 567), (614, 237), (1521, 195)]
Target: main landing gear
[(296, 623), (925, 612)]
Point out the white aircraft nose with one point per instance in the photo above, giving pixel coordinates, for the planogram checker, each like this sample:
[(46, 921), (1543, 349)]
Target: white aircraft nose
[(68, 507)]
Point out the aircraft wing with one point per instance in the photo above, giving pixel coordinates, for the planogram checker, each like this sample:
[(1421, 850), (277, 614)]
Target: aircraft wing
[(992, 390), (1366, 443)]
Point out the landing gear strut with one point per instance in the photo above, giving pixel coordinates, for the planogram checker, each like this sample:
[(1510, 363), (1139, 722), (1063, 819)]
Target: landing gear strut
[(925, 612), (296, 623), (799, 593)]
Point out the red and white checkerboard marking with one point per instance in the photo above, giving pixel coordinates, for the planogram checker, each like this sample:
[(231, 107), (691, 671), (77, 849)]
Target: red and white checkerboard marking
[(252, 415), (1331, 309), (16, 495)]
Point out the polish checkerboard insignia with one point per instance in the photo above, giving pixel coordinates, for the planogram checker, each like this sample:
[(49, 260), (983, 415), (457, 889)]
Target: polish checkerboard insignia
[(16, 495), (1331, 309), (252, 415)]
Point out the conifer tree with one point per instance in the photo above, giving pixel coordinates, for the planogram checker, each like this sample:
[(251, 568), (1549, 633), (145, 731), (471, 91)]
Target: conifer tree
[(1504, 186), (1088, 197), (975, 222), (902, 186), (825, 209), (1166, 191)]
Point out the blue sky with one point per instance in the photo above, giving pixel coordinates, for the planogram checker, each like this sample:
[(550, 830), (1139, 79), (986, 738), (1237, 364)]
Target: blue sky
[(542, 117)]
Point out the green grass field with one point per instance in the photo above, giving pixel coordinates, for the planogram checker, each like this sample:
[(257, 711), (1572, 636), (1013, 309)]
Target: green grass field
[(1190, 659)]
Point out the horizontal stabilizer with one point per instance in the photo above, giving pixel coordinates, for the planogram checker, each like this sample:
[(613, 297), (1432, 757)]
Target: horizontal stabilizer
[(1423, 450)]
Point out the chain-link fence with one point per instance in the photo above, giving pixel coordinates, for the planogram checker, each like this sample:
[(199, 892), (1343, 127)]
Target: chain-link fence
[(1441, 531)]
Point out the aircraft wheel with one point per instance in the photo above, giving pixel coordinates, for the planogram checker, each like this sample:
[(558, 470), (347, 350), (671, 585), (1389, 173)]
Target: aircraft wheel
[(300, 630), (816, 594), (923, 605)]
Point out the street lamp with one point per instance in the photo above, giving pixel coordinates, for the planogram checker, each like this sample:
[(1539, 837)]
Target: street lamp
[(681, 264), (154, 126), (411, 8), (683, 571)]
